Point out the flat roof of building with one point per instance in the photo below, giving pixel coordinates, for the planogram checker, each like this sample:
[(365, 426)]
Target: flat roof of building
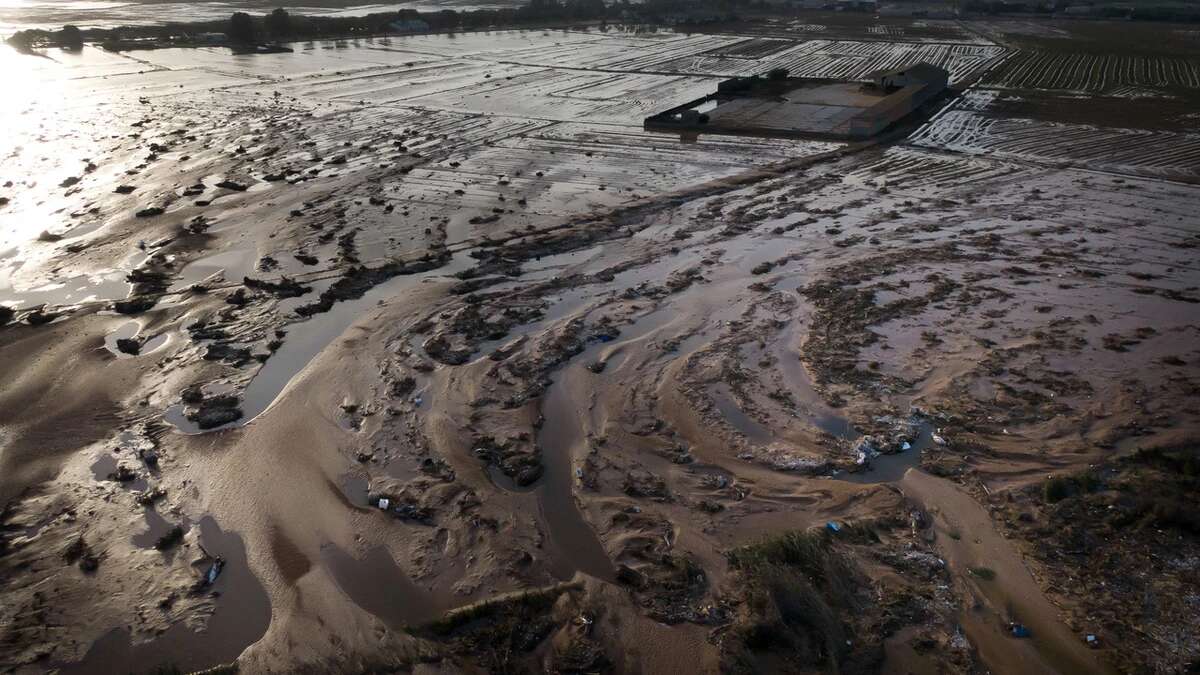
[(818, 107)]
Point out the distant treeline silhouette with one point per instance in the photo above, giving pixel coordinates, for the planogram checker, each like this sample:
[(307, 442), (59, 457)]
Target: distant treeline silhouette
[(279, 25)]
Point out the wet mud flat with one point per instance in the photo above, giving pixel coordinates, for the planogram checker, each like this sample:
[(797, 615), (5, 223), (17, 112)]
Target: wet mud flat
[(472, 372)]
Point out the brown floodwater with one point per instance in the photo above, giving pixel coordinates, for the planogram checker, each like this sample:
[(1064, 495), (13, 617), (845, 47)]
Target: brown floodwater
[(241, 616), (378, 585)]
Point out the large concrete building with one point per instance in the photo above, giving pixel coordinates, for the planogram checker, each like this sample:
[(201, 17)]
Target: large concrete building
[(778, 105)]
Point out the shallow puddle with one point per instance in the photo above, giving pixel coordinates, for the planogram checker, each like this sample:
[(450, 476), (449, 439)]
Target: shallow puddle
[(70, 291), (241, 616), (722, 398), (105, 467), (130, 329), (356, 488), (233, 265), (156, 527), (378, 585)]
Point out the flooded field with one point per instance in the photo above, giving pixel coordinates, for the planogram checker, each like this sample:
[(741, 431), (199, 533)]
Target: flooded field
[(409, 353)]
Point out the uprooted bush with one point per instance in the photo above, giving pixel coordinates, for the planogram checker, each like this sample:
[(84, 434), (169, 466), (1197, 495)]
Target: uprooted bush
[(800, 589)]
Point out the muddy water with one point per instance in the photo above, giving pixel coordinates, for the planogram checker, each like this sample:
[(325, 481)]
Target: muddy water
[(563, 437), (967, 539), (378, 585), (562, 440), (233, 265), (798, 381), (723, 398), (308, 338), (156, 526), (128, 330), (891, 468), (241, 616), (106, 464), (70, 291)]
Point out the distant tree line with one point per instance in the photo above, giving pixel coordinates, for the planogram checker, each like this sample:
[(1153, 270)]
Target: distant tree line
[(279, 25), (242, 28)]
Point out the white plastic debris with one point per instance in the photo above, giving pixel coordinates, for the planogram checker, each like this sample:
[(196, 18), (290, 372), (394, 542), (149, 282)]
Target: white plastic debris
[(384, 502), (906, 446)]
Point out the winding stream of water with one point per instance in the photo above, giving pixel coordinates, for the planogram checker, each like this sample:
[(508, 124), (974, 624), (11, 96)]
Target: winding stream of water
[(306, 339)]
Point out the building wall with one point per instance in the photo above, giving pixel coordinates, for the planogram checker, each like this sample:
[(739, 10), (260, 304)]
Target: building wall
[(892, 109)]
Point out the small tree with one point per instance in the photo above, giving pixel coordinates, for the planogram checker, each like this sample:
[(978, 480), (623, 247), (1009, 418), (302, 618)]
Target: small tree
[(23, 40), (279, 23), (70, 38), (241, 29)]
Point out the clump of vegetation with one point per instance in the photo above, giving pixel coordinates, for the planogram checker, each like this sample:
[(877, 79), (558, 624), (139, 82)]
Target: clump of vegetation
[(70, 38), (798, 587), (1173, 501), (241, 29), (1058, 488), (499, 632), (279, 23), (985, 573)]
